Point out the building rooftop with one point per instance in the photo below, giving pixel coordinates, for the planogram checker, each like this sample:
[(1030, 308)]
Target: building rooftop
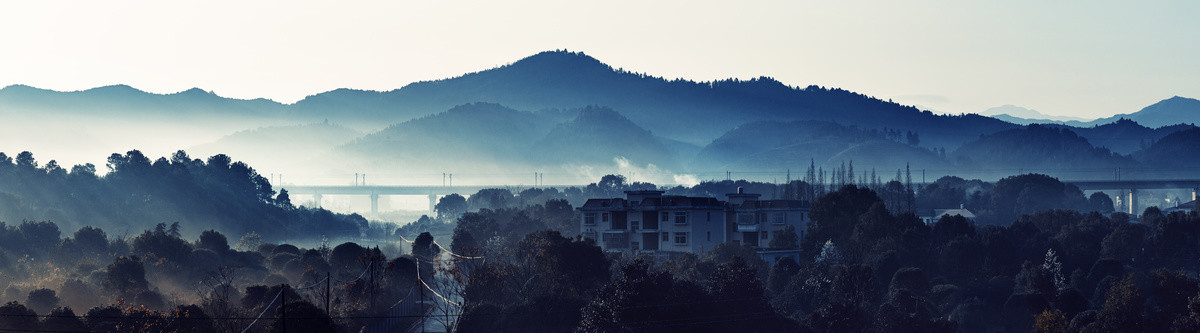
[(768, 204), (681, 201), (938, 213), (605, 204)]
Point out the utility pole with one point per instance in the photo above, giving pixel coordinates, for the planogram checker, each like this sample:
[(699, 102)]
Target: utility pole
[(283, 307), (328, 295), (371, 267), (421, 302)]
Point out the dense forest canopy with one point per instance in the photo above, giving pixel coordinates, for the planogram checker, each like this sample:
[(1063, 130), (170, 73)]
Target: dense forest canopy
[(137, 192)]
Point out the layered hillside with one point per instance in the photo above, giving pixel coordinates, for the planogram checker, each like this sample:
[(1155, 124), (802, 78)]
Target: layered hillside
[(795, 145), (1179, 150), (1037, 148), (689, 111), (598, 136)]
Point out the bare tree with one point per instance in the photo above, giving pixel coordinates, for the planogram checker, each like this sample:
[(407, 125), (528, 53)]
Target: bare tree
[(218, 297)]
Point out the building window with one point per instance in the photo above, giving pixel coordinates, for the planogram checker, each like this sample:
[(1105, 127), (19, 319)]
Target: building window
[(708, 216), (635, 225), (665, 216), (666, 236), (589, 218), (603, 217), (681, 238), (762, 218), (589, 234), (635, 246), (779, 218), (680, 217), (766, 234)]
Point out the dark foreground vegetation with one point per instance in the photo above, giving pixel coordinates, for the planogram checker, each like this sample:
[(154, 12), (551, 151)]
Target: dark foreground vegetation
[(1041, 257)]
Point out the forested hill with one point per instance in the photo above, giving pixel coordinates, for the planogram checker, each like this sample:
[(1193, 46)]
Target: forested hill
[(686, 110), (138, 193), (1040, 149), (479, 136), (1177, 150), (785, 145), (1123, 136)]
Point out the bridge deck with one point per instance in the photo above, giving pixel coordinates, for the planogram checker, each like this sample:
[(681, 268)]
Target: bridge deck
[(401, 189)]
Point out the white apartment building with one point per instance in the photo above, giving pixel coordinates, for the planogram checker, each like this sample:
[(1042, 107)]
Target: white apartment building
[(649, 222)]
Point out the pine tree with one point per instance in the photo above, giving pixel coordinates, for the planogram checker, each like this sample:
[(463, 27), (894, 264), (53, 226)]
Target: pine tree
[(851, 172), (821, 181), (874, 180)]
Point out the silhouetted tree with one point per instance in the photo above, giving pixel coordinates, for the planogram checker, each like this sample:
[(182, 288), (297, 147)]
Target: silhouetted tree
[(451, 206), (423, 247)]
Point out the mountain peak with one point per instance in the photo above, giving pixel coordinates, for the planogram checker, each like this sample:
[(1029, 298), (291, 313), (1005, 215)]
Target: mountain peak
[(561, 59), (114, 88), (194, 91)]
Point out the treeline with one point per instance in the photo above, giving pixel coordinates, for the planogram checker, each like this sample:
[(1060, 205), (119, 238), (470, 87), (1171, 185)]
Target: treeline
[(90, 281), (137, 192), (862, 269), (1051, 268), (514, 263)]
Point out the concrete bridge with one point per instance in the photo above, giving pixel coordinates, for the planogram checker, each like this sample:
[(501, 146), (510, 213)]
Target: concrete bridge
[(432, 191), (1130, 188)]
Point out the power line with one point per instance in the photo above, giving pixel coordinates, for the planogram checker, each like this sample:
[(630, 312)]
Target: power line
[(264, 311)]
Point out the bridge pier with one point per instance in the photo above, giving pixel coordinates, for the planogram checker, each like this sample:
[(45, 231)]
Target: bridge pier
[(317, 200), (374, 206), (1133, 204), (433, 203)]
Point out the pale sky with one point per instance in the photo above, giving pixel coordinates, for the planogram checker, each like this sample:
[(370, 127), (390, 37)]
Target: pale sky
[(1074, 58)]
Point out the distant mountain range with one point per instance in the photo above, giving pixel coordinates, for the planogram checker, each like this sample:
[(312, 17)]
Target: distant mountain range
[(1172, 111), (567, 110), (123, 100), (1022, 116), (694, 112), (688, 111)]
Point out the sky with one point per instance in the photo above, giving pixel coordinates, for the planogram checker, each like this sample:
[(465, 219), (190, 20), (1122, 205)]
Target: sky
[(1069, 58)]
